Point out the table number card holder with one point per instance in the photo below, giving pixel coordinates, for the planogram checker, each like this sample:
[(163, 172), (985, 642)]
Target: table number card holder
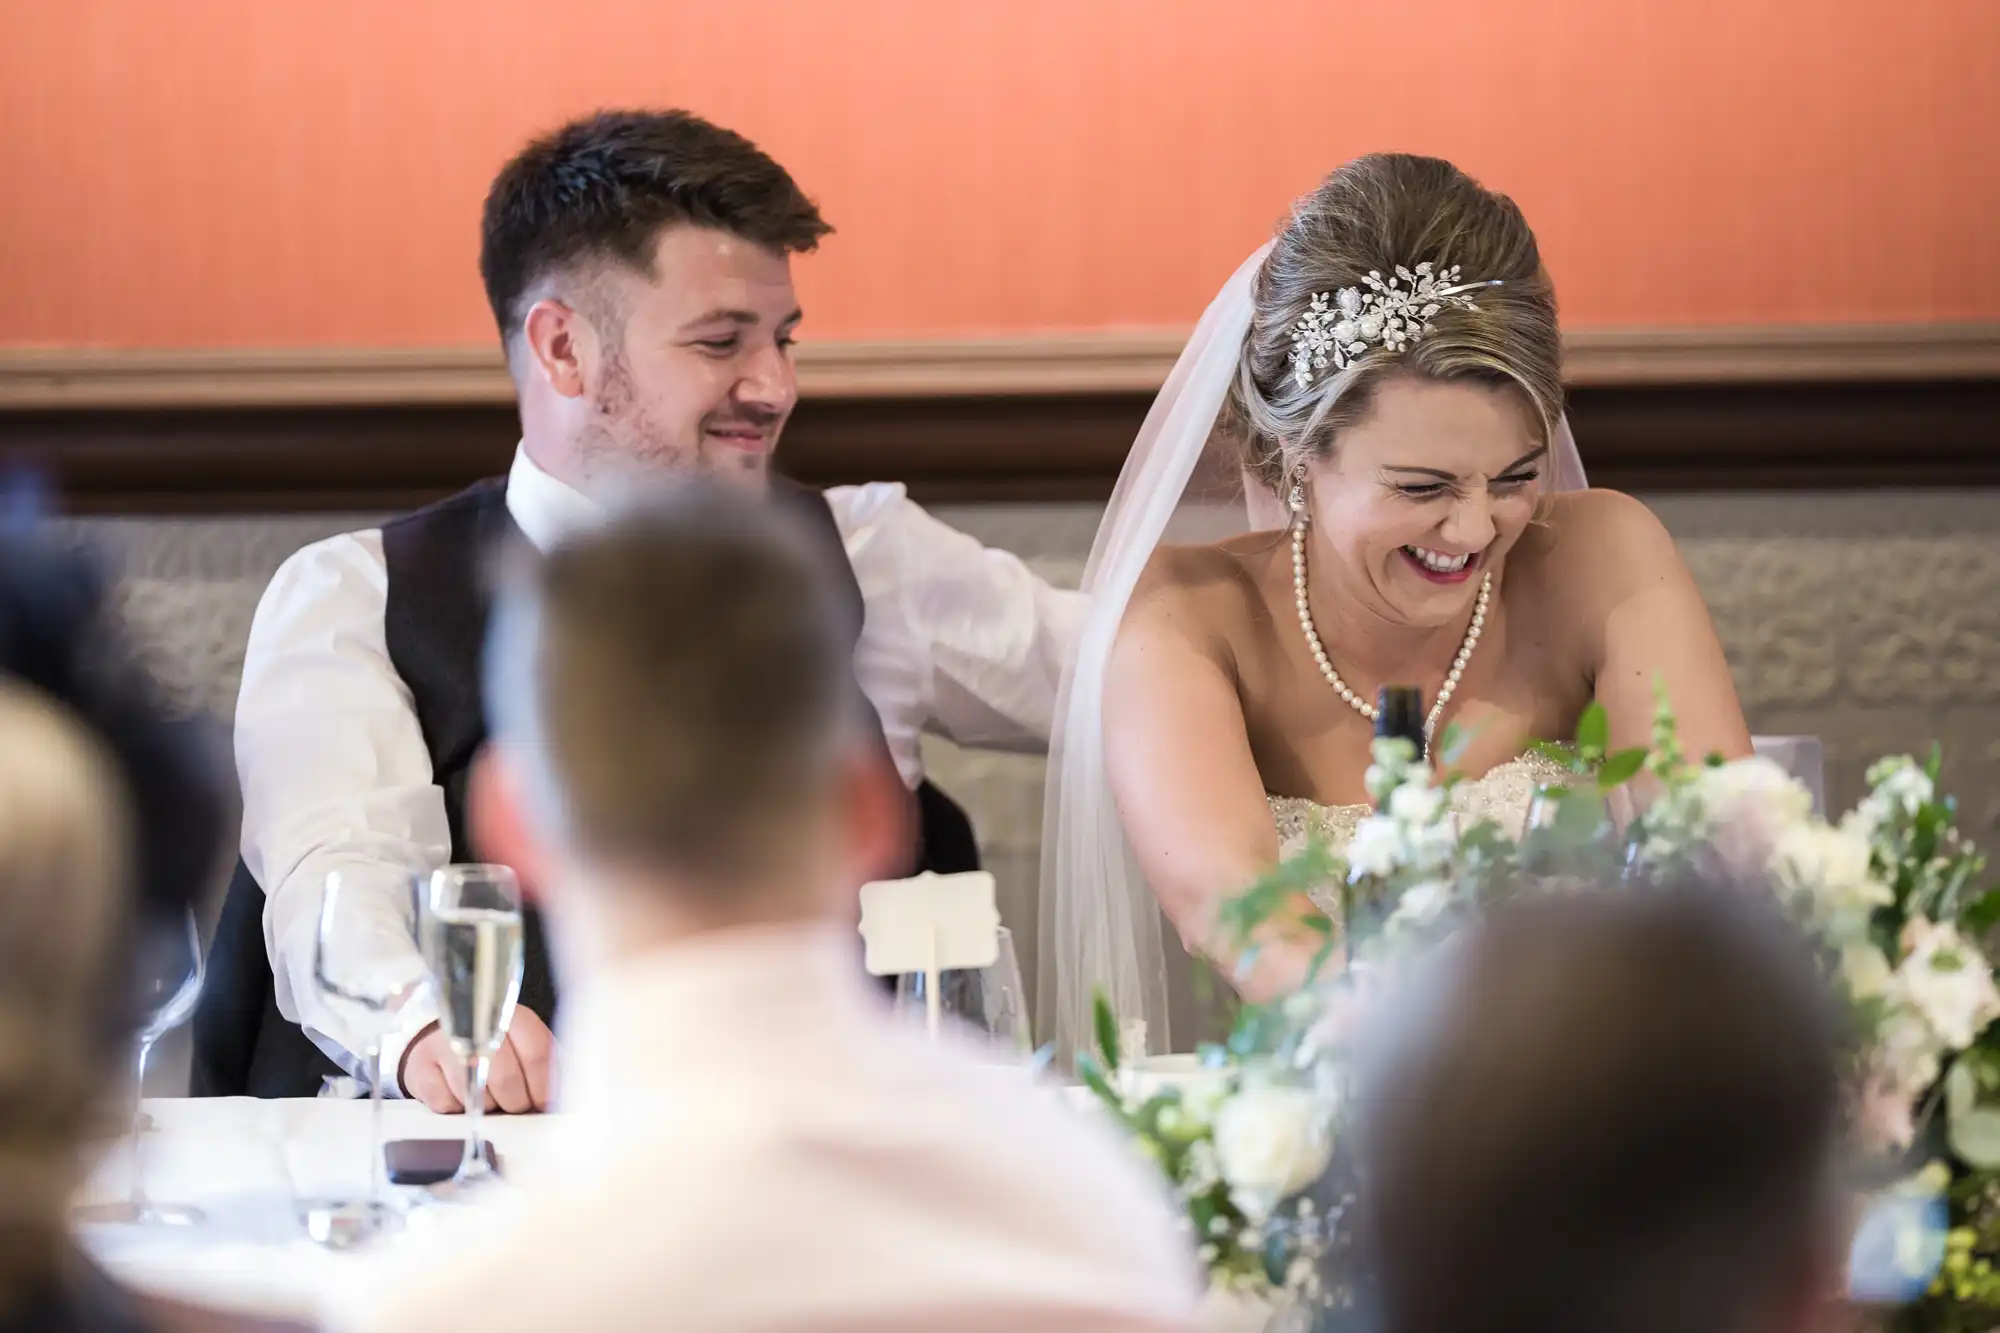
[(930, 924)]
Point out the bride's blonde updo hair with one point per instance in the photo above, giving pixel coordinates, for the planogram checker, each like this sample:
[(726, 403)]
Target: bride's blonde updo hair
[(1373, 214)]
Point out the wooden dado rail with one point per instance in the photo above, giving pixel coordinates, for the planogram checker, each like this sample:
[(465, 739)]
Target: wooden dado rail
[(992, 419)]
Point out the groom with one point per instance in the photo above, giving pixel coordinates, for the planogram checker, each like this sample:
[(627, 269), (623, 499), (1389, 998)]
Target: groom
[(638, 265)]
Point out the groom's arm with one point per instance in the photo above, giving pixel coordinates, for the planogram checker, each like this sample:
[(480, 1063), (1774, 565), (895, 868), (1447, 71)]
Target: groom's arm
[(976, 639), (335, 777)]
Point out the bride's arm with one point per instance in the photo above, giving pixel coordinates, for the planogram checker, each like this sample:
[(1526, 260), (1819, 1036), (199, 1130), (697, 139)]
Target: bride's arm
[(1178, 758), (1648, 625)]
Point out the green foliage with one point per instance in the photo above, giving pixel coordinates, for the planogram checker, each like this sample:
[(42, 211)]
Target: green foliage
[(1107, 1030), (1572, 840)]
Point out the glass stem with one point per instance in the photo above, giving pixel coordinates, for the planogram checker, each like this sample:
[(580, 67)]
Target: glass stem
[(474, 1163), (138, 1199), (376, 1170)]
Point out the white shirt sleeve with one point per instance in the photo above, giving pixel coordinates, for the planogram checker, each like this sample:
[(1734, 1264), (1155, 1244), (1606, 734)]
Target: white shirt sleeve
[(335, 776), (963, 639)]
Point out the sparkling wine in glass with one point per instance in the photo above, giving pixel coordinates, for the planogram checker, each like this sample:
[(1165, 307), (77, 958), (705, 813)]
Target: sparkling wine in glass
[(470, 930), (169, 976), (364, 965)]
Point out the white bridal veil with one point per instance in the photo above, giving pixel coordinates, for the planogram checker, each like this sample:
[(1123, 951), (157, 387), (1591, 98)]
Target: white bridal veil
[(1100, 926)]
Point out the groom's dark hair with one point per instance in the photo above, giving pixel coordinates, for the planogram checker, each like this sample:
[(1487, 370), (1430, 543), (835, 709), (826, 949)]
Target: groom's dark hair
[(1611, 1111), (605, 187)]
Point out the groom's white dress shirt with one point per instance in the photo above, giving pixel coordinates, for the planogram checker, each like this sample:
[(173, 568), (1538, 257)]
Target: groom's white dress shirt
[(957, 639), (749, 1140)]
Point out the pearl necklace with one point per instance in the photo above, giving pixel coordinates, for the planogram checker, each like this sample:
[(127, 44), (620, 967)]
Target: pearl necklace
[(1360, 705)]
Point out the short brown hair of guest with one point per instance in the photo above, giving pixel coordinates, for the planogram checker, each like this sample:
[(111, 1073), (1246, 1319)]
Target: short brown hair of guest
[(680, 680), (603, 188), (1610, 1110)]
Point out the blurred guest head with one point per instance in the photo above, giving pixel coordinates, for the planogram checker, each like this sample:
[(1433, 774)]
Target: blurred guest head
[(63, 903), (639, 266), (1612, 1111), (677, 736)]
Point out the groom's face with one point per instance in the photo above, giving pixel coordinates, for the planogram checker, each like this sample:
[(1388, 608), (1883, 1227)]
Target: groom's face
[(694, 362)]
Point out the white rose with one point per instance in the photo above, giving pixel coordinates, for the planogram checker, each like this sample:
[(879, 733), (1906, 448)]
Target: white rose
[(1269, 1142), (1865, 971), (1750, 804), (1377, 848), (1415, 804), (1755, 777), (1830, 865), (1948, 981), (1906, 1048), (1420, 904)]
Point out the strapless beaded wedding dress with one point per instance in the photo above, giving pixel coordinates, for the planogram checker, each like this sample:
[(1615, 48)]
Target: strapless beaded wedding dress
[(1502, 796)]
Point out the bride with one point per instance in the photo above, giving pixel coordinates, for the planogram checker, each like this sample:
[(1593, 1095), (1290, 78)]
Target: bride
[(1358, 474)]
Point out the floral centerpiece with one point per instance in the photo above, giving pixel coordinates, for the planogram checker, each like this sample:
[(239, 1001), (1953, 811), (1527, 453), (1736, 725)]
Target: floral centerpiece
[(1238, 1144), (1893, 895)]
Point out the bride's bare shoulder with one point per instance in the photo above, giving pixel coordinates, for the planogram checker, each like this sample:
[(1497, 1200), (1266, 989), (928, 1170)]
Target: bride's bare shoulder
[(1596, 545), (1204, 592)]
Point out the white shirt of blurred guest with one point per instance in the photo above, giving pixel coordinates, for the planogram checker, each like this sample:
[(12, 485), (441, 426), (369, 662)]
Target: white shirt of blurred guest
[(791, 1157), (957, 638)]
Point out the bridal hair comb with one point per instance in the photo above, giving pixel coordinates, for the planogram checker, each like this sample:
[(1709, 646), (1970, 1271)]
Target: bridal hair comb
[(1392, 313)]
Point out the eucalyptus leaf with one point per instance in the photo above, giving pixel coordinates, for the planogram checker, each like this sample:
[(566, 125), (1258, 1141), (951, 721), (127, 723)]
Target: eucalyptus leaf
[(1107, 1032), (1982, 913), (1093, 1078), (1620, 768), (1593, 730)]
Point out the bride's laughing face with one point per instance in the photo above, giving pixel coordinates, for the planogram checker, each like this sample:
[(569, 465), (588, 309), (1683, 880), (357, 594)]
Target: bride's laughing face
[(1425, 494)]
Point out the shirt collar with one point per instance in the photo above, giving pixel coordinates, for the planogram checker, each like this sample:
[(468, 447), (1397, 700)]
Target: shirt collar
[(545, 509), (719, 995)]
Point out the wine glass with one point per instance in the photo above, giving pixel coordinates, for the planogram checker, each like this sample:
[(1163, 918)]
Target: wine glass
[(363, 964), (169, 972), (470, 930), (990, 999)]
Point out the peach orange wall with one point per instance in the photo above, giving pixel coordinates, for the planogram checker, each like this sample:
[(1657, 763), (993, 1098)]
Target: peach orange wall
[(259, 172)]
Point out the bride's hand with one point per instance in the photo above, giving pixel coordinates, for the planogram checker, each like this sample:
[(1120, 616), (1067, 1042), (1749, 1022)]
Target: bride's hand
[(1283, 963), (1279, 970)]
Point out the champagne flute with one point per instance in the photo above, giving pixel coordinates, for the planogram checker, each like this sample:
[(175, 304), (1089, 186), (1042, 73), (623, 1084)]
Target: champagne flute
[(170, 971), (990, 999), (471, 935), (363, 964)]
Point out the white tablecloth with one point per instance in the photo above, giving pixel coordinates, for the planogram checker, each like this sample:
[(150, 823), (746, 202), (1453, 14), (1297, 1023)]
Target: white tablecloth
[(248, 1164)]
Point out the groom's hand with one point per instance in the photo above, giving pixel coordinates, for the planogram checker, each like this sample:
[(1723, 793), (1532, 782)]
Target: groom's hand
[(519, 1080)]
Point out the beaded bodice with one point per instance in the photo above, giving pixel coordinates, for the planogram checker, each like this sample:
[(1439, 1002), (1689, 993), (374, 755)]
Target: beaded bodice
[(1502, 796)]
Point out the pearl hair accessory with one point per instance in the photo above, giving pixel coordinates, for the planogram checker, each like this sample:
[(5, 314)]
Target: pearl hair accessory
[(1297, 501), (1391, 314)]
